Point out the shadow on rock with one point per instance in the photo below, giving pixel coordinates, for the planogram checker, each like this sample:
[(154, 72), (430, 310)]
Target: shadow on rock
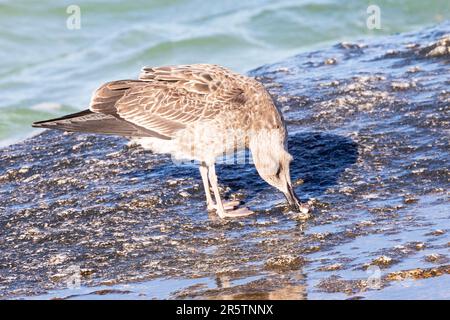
[(319, 160)]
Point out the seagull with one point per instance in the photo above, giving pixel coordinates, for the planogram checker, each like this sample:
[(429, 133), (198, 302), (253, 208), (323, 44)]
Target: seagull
[(197, 112)]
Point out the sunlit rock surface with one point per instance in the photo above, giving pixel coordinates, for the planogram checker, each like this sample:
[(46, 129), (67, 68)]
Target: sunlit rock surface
[(369, 131)]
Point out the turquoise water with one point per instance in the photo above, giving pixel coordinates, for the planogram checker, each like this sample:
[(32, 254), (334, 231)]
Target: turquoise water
[(47, 69)]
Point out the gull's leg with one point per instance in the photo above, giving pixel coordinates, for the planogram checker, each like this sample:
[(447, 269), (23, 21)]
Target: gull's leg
[(241, 212), (213, 179), (209, 201), (204, 173)]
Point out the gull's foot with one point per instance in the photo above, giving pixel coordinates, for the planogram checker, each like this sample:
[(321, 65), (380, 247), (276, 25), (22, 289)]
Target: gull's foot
[(304, 211), (305, 208), (237, 213), (227, 205)]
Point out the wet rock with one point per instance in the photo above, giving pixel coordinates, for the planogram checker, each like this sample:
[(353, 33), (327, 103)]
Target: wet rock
[(371, 157), (298, 182), (408, 199), (414, 69), (330, 61), (184, 194), (436, 258), (333, 267), (348, 45), (437, 232), (337, 284), (382, 261), (439, 48), (397, 85), (419, 273), (105, 292), (57, 259), (285, 262)]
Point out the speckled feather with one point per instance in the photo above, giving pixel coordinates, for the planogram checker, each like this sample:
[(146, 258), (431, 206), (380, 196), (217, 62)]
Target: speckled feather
[(179, 103)]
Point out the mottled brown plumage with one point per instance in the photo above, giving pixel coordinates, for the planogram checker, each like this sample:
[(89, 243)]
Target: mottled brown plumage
[(198, 112)]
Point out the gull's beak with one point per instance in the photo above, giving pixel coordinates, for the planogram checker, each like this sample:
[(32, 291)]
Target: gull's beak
[(294, 202), (292, 198)]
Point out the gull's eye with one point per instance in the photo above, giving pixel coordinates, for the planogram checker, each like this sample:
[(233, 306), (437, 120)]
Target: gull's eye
[(278, 171)]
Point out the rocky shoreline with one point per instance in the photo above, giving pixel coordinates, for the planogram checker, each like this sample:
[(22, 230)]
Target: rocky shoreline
[(369, 130)]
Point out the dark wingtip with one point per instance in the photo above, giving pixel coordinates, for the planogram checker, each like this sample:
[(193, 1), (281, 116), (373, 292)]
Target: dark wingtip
[(52, 123), (39, 124)]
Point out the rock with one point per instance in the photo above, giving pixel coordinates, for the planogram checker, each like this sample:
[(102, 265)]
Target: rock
[(438, 49), (414, 69), (419, 273), (360, 145), (397, 85), (382, 261), (330, 61), (332, 267), (437, 232), (184, 194), (436, 258), (57, 259), (285, 262), (408, 199)]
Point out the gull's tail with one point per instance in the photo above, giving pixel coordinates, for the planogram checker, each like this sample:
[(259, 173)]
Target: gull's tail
[(88, 121)]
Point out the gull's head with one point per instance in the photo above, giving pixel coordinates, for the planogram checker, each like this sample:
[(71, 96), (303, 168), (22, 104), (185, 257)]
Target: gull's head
[(272, 161)]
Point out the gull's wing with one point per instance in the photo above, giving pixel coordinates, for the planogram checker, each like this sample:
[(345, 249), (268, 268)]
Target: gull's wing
[(167, 99), (213, 81)]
